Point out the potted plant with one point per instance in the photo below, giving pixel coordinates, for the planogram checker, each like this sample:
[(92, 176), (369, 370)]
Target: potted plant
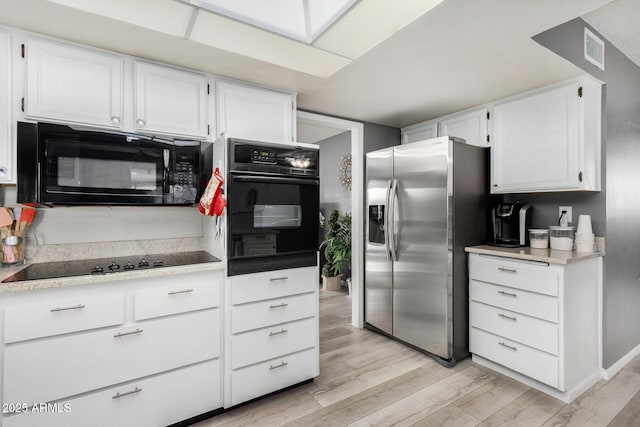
[(338, 250)]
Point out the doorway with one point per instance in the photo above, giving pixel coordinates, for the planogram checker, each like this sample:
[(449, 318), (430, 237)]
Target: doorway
[(315, 128)]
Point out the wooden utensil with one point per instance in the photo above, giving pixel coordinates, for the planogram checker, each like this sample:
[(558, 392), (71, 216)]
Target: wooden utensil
[(26, 218), (16, 217), (6, 220)]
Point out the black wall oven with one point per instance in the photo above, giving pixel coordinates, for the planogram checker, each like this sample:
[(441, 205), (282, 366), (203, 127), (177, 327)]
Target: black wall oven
[(273, 205), (60, 165)]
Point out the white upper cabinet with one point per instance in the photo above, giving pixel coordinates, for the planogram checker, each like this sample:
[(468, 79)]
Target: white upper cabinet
[(73, 84), (420, 132), (255, 113), (6, 144), (470, 125), (170, 101), (548, 139)]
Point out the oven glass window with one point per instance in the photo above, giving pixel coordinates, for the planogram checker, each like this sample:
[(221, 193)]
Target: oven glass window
[(272, 217), (277, 216)]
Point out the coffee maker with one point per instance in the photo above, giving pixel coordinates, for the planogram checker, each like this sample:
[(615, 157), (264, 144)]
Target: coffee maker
[(511, 223)]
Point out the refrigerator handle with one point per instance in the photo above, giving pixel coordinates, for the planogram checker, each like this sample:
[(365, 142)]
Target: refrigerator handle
[(386, 220), (393, 244)]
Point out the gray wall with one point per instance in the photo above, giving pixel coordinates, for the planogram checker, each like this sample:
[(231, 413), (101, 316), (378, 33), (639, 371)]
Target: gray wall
[(620, 197), (332, 194), (378, 136)]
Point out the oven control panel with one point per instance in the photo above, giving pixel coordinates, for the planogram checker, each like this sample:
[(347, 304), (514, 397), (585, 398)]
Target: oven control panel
[(262, 156)]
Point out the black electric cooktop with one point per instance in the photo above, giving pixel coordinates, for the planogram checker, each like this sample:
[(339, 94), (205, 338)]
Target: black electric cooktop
[(112, 265)]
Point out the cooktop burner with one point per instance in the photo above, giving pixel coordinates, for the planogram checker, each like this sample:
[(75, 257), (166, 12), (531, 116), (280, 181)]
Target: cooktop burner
[(51, 270)]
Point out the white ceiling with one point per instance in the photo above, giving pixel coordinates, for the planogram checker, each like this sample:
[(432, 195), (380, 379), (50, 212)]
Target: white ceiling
[(619, 22), (459, 54)]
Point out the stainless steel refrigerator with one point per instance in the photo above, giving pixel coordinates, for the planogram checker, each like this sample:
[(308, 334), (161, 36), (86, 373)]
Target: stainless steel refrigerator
[(425, 202)]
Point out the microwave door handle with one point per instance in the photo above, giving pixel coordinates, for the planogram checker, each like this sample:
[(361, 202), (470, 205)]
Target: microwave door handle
[(165, 175)]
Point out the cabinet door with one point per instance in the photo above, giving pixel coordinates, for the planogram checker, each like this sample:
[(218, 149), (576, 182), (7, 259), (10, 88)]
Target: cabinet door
[(170, 101), (73, 84), (6, 143), (470, 126), (420, 132), (536, 144), (254, 113)]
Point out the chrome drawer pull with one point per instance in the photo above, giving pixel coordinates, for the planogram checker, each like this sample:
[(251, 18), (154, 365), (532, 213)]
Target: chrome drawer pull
[(504, 316), (122, 334), (510, 347), (73, 307), (284, 304), (281, 331), (184, 291), (507, 294), (279, 365), (275, 279), (508, 270), (126, 393)]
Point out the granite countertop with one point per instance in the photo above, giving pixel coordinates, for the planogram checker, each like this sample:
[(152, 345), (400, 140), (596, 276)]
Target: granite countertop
[(92, 251), (542, 255)]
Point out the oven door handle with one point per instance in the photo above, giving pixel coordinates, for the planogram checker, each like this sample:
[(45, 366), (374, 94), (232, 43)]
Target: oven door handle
[(276, 179)]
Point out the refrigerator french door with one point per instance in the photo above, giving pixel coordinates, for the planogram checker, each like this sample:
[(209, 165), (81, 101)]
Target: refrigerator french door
[(423, 209)]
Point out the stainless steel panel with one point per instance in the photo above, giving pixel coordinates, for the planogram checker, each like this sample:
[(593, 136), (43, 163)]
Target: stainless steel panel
[(378, 265), (422, 272)]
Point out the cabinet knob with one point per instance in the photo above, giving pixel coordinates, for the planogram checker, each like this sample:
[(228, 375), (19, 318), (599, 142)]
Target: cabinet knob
[(140, 122), (3, 170), (115, 120)]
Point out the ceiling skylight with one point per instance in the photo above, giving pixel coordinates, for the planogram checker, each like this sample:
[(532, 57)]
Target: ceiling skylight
[(302, 20)]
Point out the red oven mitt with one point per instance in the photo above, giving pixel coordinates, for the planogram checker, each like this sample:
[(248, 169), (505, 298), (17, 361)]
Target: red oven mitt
[(212, 201)]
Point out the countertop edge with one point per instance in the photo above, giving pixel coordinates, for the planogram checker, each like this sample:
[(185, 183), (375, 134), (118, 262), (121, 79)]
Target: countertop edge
[(61, 282), (541, 255)]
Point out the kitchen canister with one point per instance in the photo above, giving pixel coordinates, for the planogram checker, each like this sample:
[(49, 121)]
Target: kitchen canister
[(561, 238), (538, 238)]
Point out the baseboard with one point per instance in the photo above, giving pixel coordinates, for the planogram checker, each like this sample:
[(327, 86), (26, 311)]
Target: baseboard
[(612, 370), (565, 396)]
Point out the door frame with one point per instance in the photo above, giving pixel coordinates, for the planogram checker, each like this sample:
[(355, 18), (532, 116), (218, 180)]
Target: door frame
[(357, 206)]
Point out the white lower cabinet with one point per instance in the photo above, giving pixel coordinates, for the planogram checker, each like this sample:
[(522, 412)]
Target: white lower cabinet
[(271, 332), (263, 378), (537, 322), (158, 401), (90, 349), (162, 345)]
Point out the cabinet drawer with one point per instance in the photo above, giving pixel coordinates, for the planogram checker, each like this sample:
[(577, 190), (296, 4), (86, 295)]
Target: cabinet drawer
[(158, 401), (519, 357), (25, 322), (533, 332), (266, 313), (267, 343), (529, 303), (263, 378), (522, 275), (56, 368), (272, 284), (181, 298)]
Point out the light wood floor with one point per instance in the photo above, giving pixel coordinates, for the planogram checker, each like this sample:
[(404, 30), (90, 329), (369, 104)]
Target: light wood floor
[(367, 379)]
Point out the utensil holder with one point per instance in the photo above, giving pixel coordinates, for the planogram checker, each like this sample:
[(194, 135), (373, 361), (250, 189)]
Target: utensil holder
[(13, 248)]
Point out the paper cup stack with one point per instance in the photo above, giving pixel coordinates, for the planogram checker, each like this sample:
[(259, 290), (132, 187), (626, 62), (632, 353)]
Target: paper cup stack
[(585, 238)]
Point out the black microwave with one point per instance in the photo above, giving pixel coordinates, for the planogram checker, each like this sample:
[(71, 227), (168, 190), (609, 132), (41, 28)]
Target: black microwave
[(61, 165)]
